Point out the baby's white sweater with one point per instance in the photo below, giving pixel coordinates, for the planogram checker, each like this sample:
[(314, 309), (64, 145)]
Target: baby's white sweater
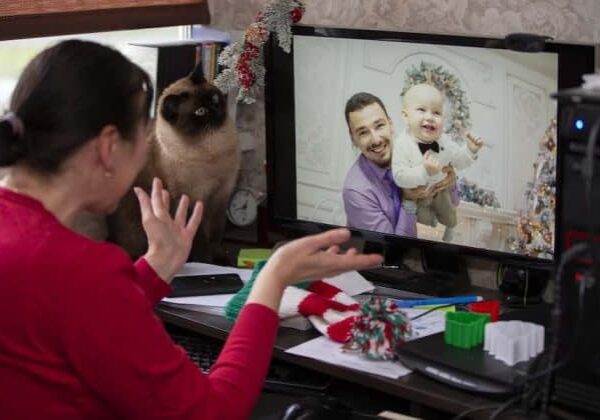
[(407, 160)]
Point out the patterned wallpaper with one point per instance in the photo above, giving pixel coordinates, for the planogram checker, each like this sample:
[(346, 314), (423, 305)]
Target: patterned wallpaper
[(573, 20), (568, 20)]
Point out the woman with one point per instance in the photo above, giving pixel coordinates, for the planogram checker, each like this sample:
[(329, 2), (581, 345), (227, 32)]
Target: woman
[(78, 338)]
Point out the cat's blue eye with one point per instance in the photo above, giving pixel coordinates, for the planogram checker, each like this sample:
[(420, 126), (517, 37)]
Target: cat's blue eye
[(201, 112)]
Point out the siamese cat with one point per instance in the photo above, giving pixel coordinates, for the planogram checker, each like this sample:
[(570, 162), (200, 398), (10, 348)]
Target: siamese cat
[(194, 151)]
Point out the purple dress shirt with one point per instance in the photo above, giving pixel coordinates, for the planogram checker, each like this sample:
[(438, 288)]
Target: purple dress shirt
[(369, 201)]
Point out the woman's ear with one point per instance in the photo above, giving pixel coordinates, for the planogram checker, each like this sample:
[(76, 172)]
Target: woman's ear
[(106, 145)]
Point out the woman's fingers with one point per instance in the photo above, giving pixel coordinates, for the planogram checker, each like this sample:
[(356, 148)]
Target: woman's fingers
[(156, 199), (182, 210), (342, 263), (195, 219), (166, 199), (324, 240), (333, 249), (145, 205)]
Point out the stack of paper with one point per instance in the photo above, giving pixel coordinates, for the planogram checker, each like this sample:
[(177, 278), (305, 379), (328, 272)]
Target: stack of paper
[(213, 304), (322, 348)]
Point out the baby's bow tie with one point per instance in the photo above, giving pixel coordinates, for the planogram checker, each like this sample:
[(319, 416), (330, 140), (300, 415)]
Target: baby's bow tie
[(424, 147)]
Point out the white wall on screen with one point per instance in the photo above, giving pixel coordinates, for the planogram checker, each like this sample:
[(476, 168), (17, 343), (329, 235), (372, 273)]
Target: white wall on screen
[(509, 103)]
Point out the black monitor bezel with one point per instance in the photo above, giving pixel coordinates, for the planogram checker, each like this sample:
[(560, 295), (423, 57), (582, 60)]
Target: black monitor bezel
[(573, 61)]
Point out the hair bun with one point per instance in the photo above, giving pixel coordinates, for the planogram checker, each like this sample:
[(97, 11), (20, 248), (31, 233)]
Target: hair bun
[(10, 142)]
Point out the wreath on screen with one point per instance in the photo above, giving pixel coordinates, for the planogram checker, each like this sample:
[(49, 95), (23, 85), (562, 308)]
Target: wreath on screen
[(450, 86)]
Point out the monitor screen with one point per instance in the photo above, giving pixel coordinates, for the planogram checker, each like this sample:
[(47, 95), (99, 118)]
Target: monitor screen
[(428, 139)]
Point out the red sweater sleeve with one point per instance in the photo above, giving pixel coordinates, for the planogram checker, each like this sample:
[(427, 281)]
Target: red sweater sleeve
[(121, 351), (154, 287)]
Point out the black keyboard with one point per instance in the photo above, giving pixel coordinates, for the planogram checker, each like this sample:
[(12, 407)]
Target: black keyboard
[(281, 377)]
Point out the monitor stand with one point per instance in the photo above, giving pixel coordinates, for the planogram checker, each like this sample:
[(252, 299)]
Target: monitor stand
[(445, 272)]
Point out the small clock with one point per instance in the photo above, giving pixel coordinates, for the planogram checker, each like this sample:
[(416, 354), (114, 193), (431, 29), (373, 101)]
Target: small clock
[(243, 208)]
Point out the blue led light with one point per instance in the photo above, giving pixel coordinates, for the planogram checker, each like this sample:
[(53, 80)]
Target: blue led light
[(579, 124)]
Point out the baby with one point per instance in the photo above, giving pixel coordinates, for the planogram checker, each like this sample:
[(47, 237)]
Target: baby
[(422, 151)]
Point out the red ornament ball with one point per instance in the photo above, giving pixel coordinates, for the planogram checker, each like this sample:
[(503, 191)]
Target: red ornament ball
[(296, 14)]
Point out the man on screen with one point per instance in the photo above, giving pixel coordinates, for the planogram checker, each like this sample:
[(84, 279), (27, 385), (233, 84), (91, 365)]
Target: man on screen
[(372, 200)]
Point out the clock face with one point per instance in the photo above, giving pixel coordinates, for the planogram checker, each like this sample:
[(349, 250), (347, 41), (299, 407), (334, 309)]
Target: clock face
[(242, 208)]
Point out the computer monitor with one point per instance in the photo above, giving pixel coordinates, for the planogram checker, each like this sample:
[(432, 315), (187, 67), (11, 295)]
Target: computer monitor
[(320, 176)]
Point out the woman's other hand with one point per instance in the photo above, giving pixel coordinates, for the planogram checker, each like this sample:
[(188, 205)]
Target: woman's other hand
[(308, 258), (169, 238)]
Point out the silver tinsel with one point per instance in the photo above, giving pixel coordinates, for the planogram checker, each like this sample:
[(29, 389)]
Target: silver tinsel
[(276, 19)]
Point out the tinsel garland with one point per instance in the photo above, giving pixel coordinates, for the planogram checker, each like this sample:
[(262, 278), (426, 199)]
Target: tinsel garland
[(243, 62), (472, 193), (379, 328)]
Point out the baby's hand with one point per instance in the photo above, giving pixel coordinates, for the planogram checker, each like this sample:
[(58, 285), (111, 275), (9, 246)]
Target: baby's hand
[(474, 143), (432, 164)]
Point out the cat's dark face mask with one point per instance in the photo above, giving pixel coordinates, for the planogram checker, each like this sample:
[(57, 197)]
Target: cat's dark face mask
[(200, 108)]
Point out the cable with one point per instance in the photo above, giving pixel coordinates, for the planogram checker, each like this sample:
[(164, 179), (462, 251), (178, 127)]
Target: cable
[(569, 354), (498, 412), (464, 414), (427, 312), (570, 255), (575, 338), (423, 260), (498, 274)]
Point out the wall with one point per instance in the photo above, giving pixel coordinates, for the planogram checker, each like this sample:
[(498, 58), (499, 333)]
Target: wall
[(573, 20), (569, 20)]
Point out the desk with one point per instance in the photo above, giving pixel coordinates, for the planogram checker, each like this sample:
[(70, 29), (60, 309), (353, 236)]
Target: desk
[(422, 393)]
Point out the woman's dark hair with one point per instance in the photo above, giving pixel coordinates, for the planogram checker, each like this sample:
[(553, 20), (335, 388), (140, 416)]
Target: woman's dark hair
[(65, 96)]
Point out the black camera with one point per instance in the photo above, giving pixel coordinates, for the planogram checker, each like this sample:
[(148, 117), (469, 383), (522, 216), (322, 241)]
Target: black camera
[(526, 42)]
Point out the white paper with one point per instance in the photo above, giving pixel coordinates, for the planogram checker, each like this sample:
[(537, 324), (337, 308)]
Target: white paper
[(219, 301), (212, 310), (202, 269), (432, 323), (352, 283), (325, 350)]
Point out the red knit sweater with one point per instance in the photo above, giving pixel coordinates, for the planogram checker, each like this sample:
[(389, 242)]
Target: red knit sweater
[(79, 339)]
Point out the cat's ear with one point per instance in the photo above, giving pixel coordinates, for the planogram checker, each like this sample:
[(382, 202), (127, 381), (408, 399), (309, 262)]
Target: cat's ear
[(197, 75), (170, 107)]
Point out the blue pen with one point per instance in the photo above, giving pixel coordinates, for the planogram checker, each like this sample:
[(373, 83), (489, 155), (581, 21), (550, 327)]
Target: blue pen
[(458, 300)]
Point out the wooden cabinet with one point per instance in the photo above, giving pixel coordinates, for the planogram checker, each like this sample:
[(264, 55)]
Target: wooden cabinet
[(34, 18)]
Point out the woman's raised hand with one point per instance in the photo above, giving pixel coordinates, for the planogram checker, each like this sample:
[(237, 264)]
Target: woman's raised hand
[(308, 258), (169, 238), (317, 256)]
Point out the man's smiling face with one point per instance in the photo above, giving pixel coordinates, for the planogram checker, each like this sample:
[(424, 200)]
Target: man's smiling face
[(371, 131)]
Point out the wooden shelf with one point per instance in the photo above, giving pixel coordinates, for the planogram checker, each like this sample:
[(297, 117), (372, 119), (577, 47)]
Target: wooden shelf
[(88, 21)]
